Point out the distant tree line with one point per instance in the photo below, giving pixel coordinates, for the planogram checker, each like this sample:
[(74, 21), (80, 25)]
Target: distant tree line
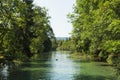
[(66, 44), (24, 30), (96, 29)]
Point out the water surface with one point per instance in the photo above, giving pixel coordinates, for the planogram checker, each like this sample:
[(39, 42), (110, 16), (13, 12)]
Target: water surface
[(57, 65)]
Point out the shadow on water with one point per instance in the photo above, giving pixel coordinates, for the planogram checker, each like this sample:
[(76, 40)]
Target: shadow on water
[(5, 68), (37, 70), (20, 75), (28, 72), (10, 71)]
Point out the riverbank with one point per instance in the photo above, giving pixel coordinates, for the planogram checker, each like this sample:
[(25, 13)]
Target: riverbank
[(91, 66), (94, 70), (82, 57)]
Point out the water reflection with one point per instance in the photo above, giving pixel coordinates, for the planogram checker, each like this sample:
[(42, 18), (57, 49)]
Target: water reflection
[(63, 68), (4, 72)]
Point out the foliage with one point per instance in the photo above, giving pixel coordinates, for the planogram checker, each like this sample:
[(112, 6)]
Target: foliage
[(24, 29), (65, 45), (96, 29)]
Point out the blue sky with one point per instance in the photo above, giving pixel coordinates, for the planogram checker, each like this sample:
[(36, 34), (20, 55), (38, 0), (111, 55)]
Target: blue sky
[(58, 10)]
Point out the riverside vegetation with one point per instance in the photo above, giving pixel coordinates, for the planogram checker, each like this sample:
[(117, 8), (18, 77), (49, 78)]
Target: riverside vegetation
[(25, 31), (96, 31)]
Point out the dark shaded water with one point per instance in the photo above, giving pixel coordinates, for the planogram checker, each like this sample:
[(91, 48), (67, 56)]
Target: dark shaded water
[(58, 66)]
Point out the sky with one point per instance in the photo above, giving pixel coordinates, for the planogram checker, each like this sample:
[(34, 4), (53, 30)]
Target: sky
[(58, 10)]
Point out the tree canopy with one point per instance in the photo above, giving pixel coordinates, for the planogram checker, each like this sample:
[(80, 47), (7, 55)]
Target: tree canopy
[(96, 29), (24, 29)]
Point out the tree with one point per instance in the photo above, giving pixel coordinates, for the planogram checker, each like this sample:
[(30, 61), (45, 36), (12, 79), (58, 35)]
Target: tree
[(24, 29), (96, 29)]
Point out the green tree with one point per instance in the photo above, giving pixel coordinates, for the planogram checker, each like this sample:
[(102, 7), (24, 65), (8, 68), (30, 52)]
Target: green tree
[(24, 29), (96, 29)]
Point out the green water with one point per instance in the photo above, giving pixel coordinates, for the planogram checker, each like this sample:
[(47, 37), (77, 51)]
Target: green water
[(58, 66)]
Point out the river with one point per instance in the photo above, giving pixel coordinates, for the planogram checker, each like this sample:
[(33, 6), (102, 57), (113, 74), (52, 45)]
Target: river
[(57, 65)]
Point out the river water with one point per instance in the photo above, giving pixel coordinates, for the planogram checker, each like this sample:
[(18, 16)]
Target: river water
[(57, 65)]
